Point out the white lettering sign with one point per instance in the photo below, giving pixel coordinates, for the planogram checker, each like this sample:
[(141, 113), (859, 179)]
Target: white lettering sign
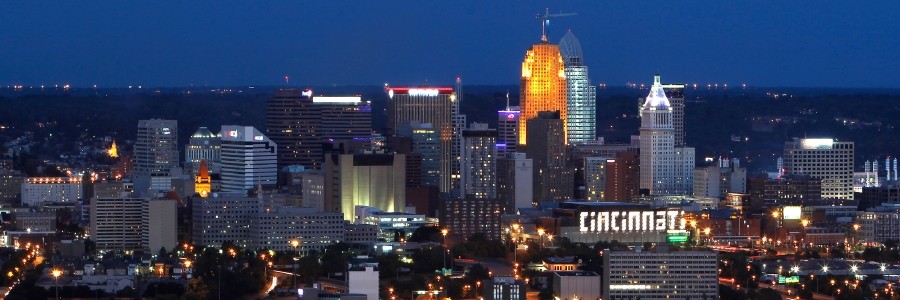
[(631, 221), (423, 92)]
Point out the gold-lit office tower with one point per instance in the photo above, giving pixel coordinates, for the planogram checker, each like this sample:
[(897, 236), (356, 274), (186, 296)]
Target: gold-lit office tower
[(543, 86)]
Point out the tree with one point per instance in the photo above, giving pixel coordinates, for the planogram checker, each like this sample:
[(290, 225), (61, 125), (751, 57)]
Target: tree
[(389, 265), (425, 234), (805, 294), (545, 294), (126, 292), (477, 273), (196, 290)]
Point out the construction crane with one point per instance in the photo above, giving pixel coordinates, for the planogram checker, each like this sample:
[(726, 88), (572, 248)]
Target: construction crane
[(545, 23)]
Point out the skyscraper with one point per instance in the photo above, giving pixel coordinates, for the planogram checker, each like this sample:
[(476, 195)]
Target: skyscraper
[(553, 180), (203, 146), (291, 125), (595, 174), (675, 93), (664, 167), (376, 180), (543, 86), (249, 158), (458, 123), (300, 123), (434, 105), (426, 144), (507, 130), (825, 159), (581, 96), (155, 155), (623, 177), (479, 162)]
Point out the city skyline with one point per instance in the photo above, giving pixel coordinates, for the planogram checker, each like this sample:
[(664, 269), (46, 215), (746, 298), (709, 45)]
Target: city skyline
[(199, 44)]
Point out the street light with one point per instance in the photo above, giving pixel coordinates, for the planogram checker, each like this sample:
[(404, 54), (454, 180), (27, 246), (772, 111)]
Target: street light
[(540, 232), (444, 233), (296, 245), (56, 273)]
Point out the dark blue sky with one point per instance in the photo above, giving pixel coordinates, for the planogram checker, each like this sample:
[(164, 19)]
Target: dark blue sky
[(177, 43)]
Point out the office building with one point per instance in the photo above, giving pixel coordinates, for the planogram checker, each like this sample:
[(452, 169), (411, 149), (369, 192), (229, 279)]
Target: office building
[(879, 224), (515, 177), (825, 159), (432, 105), (665, 169), (542, 86), (675, 94), (623, 177), (204, 145), (552, 178), (574, 285), (275, 229), (344, 118), (504, 288), (116, 223), (29, 221), (507, 130), (467, 216), (155, 155), (458, 123), (872, 196), (581, 96), (639, 274), (726, 176), (10, 185), (376, 180), (313, 189), (392, 226), (157, 229), (426, 144), (249, 159), (292, 126), (224, 217), (479, 161), (37, 191), (595, 178)]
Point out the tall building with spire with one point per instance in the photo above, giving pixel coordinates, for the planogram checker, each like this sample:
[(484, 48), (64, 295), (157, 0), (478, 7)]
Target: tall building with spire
[(543, 85), (581, 96), (203, 182), (665, 168)]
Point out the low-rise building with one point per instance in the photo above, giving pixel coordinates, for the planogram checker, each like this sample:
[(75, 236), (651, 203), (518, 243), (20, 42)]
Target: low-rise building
[(574, 285), (660, 274), (504, 288)]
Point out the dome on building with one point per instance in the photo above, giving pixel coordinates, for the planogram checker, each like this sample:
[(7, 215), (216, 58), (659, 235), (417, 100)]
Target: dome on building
[(204, 132)]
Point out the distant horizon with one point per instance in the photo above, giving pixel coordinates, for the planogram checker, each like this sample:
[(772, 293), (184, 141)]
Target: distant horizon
[(321, 43)]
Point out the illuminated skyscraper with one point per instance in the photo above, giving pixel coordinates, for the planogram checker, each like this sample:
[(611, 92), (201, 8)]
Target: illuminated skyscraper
[(249, 158), (434, 105), (826, 159), (543, 85), (665, 169), (675, 93), (581, 96)]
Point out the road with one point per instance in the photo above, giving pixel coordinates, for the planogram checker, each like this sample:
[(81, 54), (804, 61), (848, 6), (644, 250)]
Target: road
[(786, 292)]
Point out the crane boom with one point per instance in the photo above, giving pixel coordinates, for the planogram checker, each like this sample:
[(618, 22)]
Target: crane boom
[(545, 22)]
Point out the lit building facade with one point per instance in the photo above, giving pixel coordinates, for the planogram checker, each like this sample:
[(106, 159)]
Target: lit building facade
[(665, 169), (595, 178), (467, 216), (224, 217), (376, 180), (675, 93), (203, 182), (825, 159), (249, 158), (638, 275), (37, 191), (275, 229), (479, 161), (157, 229), (543, 86), (426, 142), (581, 96), (504, 288), (116, 222)]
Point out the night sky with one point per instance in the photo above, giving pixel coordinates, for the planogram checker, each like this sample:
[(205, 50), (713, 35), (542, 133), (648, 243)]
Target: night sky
[(217, 43)]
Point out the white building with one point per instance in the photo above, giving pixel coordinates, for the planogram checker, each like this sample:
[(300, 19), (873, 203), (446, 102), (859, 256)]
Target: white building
[(479, 162), (716, 181), (581, 96), (665, 169), (38, 191), (515, 176), (362, 278), (879, 224), (117, 222), (660, 274), (249, 158), (575, 285), (159, 229), (825, 159)]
